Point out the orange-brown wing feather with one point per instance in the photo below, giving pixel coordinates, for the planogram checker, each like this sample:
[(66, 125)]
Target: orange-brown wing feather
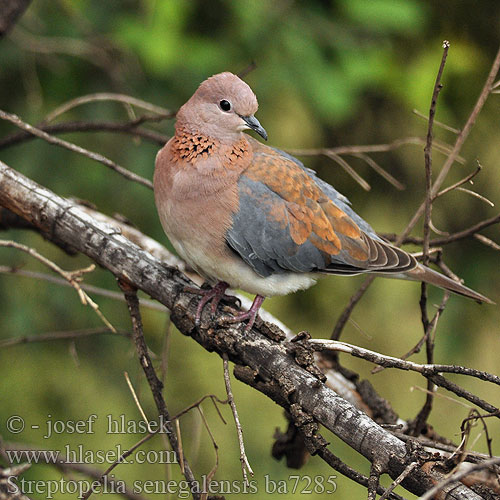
[(289, 220)]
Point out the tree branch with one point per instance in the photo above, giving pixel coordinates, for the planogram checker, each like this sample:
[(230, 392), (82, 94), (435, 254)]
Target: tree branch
[(277, 373)]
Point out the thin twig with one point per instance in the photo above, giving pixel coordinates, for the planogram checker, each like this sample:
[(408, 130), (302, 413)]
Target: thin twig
[(136, 401), (439, 124), (196, 404), (458, 476), (465, 233), (67, 466), (452, 157), (95, 53), (161, 112), (15, 120), (393, 362), (212, 472), (428, 156), (429, 331), (460, 235), (398, 480), (245, 465), (477, 195), (429, 443), (165, 350), (72, 277), (62, 335), (461, 138), (475, 415), (155, 384), (244, 72), (181, 447), (353, 301), (459, 391), (373, 148), (338, 159), (425, 411), (150, 304), (131, 128), (461, 182), (487, 241), (117, 462), (381, 171)]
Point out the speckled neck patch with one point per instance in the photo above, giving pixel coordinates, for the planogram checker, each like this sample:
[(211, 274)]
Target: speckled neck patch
[(188, 146), (191, 147)]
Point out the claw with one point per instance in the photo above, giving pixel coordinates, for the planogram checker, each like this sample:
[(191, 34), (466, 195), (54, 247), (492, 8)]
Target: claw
[(213, 295), (249, 315)]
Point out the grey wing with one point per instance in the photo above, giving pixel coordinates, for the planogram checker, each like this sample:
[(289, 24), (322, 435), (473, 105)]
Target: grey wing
[(260, 234), (280, 228)]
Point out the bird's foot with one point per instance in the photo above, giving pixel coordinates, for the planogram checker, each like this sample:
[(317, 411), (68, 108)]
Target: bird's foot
[(213, 295), (249, 315)]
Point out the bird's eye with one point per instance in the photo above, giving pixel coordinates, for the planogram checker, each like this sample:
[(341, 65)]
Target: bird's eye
[(225, 105)]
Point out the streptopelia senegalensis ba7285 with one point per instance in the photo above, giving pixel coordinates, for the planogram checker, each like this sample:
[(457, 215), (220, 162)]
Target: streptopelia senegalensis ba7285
[(249, 216)]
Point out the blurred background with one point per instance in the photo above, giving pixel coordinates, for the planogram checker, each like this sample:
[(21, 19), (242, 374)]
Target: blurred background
[(328, 73)]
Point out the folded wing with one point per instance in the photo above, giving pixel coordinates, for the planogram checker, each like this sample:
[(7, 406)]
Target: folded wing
[(290, 220)]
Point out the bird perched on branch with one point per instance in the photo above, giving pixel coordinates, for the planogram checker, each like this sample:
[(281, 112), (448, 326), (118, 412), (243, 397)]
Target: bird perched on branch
[(249, 216)]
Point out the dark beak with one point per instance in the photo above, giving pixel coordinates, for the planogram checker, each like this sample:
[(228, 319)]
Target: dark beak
[(254, 124)]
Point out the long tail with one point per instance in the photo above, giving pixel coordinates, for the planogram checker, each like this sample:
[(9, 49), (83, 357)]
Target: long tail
[(422, 273)]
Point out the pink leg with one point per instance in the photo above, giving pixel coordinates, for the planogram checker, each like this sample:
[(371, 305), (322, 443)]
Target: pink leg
[(250, 315), (213, 295)]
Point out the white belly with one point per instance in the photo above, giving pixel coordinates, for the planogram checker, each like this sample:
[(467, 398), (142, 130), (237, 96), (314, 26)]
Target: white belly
[(239, 275)]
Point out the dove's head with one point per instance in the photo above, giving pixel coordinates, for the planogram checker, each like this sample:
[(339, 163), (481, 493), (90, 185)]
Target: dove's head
[(222, 107)]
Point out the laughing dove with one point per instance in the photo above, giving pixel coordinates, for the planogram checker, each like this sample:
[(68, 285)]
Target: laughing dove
[(245, 215)]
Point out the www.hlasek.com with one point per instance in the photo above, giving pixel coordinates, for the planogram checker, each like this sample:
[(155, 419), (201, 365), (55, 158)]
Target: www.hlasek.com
[(80, 455), (302, 485)]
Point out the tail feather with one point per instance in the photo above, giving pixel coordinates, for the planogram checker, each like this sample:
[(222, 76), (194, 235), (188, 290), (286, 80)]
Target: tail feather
[(422, 273)]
